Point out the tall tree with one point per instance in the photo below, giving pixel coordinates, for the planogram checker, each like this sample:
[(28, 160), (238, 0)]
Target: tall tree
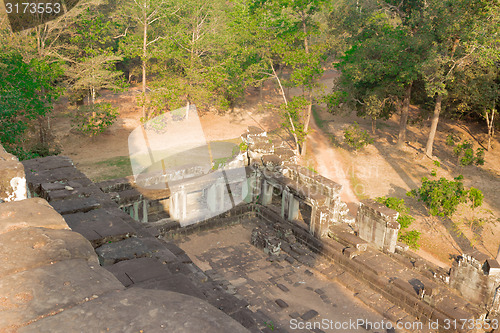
[(461, 32), (293, 27), (145, 21), (378, 71), (21, 101)]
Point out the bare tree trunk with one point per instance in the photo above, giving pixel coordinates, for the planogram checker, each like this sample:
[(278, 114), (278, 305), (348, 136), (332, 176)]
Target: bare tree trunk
[(286, 103), (434, 124), (306, 124), (374, 125), (144, 54), (491, 128), (404, 117), (309, 106)]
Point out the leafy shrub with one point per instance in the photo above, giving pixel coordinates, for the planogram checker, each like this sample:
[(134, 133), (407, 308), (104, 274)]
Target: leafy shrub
[(398, 205), (476, 197), (37, 150), (356, 138), (466, 156), (410, 238), (443, 196), (479, 156), (450, 140), (433, 173), (94, 119), (437, 163)]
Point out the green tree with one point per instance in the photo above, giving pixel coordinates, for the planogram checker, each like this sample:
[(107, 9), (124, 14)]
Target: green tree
[(461, 33), (144, 18), (21, 100), (291, 42), (378, 71), (94, 68)]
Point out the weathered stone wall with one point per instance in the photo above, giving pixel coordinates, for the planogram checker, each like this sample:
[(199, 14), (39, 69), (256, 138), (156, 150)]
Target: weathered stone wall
[(12, 178), (477, 278), (377, 224)]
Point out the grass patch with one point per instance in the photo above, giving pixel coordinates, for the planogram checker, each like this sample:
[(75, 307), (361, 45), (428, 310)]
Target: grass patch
[(115, 167)]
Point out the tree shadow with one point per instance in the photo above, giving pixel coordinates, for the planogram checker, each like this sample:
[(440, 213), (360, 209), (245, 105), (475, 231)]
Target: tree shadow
[(395, 162)]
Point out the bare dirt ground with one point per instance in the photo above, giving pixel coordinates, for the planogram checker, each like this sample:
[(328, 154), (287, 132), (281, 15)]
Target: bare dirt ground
[(378, 170)]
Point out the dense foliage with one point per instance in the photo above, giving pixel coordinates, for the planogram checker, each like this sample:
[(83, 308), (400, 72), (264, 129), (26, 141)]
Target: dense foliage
[(95, 118), (439, 54), (443, 196), (356, 138)]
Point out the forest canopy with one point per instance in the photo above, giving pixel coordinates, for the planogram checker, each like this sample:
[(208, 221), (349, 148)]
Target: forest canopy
[(442, 56)]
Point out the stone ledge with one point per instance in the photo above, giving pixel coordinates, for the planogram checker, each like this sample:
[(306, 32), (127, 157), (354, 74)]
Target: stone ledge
[(139, 310), (33, 294), (29, 248), (35, 212)]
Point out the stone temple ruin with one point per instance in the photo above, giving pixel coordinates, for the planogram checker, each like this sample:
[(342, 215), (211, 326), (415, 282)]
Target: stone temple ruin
[(79, 254)]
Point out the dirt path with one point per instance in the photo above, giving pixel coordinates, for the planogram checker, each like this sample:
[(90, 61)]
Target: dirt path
[(330, 165)]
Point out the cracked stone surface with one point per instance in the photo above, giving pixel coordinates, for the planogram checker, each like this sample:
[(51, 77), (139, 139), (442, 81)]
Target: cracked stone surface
[(160, 311)]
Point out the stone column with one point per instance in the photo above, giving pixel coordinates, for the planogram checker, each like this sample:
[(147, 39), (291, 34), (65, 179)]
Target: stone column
[(321, 217), (145, 211), (284, 203), (266, 194), (135, 211), (178, 204), (293, 207)]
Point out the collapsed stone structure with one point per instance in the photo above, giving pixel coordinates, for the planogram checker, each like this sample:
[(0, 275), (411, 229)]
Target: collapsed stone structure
[(129, 228)]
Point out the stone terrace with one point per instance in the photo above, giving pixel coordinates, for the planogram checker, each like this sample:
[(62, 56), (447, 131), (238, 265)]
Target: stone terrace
[(51, 279)]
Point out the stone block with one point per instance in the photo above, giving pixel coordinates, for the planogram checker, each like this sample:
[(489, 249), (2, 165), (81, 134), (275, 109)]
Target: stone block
[(138, 270), (99, 226), (377, 224), (48, 163), (309, 315), (70, 192), (28, 248), (282, 287), (75, 205), (271, 161), (136, 310), (34, 212), (115, 185), (130, 196), (129, 248), (351, 252), (281, 303), (65, 174), (49, 289)]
